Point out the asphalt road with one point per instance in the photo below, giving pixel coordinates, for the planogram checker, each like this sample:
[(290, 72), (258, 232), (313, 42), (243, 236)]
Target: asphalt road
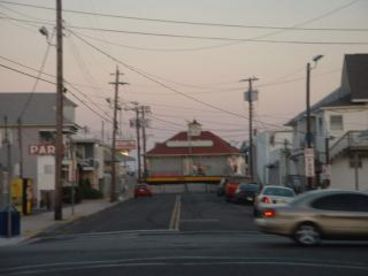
[(177, 234)]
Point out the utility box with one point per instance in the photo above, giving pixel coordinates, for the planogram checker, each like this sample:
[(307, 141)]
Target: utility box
[(15, 221)]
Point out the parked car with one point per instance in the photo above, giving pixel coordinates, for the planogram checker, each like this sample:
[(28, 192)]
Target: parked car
[(317, 215), (142, 190), (230, 190), (273, 195), (246, 192), (221, 187)]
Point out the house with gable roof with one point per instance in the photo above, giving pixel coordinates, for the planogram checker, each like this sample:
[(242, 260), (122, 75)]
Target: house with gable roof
[(339, 124), (193, 156)]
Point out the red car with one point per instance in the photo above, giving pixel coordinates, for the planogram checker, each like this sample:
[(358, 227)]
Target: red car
[(230, 190), (142, 190)]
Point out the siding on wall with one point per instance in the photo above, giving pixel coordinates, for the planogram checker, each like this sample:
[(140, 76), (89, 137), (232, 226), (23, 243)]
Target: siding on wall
[(343, 177)]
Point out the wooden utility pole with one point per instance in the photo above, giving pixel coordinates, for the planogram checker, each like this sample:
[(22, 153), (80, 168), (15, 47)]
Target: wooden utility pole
[(116, 83), (58, 215), (9, 177), (20, 145), (145, 110), (138, 125), (249, 98)]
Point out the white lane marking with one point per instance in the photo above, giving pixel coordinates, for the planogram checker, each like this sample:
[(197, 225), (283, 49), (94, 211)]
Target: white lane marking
[(178, 213), (200, 220), (175, 215)]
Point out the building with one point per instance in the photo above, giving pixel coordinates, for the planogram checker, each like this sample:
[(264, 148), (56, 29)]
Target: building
[(31, 130), (272, 150), (339, 124), (193, 156)]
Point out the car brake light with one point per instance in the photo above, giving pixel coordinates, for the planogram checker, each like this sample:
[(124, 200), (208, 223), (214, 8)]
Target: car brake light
[(266, 199), (269, 213)]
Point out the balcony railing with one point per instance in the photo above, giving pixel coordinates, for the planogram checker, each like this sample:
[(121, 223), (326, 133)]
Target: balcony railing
[(352, 140)]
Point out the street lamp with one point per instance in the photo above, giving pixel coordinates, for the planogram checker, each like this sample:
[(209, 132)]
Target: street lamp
[(309, 171)]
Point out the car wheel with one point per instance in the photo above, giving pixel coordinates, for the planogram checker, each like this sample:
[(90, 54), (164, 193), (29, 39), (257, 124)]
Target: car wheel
[(307, 234)]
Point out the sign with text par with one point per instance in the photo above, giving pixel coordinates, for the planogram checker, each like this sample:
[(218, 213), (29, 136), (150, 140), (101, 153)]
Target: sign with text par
[(309, 162)]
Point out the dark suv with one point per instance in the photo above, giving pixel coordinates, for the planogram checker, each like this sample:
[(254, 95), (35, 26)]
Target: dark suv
[(246, 192)]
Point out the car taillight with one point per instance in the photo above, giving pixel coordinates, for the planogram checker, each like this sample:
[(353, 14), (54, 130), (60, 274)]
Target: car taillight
[(270, 213), (266, 199)]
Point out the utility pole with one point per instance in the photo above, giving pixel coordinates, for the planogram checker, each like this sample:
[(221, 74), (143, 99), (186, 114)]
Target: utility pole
[(249, 98), (20, 145), (286, 156), (9, 177), (310, 174), (114, 129), (145, 110), (58, 215), (138, 125)]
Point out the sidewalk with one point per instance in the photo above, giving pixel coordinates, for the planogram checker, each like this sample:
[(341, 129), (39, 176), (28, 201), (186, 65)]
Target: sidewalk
[(34, 224)]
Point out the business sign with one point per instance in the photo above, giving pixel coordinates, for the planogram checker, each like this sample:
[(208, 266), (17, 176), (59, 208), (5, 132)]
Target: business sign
[(125, 145), (188, 143), (42, 149), (309, 162)]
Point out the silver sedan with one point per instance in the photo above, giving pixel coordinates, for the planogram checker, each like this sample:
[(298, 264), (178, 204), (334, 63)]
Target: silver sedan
[(317, 215)]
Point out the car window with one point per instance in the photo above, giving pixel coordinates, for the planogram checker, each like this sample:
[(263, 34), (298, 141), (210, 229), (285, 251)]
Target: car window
[(249, 187), (278, 192), (342, 202)]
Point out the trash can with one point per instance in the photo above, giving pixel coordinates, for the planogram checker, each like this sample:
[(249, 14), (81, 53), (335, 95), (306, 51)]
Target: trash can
[(15, 221)]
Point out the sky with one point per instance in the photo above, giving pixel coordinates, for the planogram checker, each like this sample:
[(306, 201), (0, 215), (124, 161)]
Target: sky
[(184, 78)]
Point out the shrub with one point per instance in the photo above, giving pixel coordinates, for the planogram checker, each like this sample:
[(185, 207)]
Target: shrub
[(87, 192)]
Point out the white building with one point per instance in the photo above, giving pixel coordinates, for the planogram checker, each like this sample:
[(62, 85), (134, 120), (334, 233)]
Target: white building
[(339, 125), (272, 151)]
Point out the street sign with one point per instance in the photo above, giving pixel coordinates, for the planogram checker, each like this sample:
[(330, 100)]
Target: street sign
[(326, 171), (309, 162)]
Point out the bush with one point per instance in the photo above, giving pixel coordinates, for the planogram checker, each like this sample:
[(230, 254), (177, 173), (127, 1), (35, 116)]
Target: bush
[(87, 192)]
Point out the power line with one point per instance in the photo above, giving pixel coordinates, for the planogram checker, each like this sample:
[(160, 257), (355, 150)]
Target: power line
[(208, 24), (165, 121), (53, 76), (257, 39), (221, 38), (53, 83), (145, 75), (39, 73)]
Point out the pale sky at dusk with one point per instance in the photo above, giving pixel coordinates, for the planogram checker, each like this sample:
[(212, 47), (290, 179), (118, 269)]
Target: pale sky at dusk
[(208, 70)]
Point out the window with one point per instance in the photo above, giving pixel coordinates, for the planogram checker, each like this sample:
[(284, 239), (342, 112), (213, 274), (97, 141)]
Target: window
[(336, 122), (278, 192), (320, 125), (46, 137), (342, 202)]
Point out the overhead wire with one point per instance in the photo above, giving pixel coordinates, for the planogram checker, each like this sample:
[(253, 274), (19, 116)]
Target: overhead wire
[(39, 74), (53, 83), (296, 27), (256, 39), (146, 76), (71, 84), (222, 38)]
